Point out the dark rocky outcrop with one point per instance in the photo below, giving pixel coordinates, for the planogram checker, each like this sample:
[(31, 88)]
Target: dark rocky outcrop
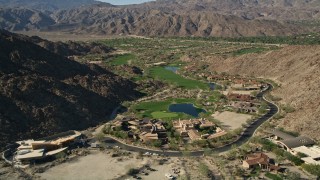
[(42, 92)]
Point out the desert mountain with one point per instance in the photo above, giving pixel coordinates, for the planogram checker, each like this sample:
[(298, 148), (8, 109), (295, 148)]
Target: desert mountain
[(248, 9), (24, 19), (68, 48), (297, 73), (47, 5), (173, 18), (149, 22), (43, 92)]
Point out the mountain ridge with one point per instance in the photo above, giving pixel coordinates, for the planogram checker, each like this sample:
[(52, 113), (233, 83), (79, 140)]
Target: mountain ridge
[(43, 92), (228, 18)]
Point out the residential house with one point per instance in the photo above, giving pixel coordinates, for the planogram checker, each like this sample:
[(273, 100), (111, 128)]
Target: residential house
[(287, 141), (151, 130), (188, 128), (31, 150), (290, 144), (259, 160), (247, 85), (276, 135), (242, 106), (240, 97)]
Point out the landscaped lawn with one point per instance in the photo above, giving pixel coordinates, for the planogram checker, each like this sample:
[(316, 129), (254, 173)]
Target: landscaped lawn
[(121, 59), (173, 78), (160, 115), (160, 109)]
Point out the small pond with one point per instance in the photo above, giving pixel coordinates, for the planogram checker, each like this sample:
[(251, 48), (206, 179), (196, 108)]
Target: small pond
[(186, 108), (212, 86), (172, 68)]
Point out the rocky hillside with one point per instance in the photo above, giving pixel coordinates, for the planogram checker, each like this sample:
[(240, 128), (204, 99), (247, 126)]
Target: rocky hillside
[(24, 19), (42, 93), (47, 5), (248, 9), (69, 48), (297, 69), (150, 22), (173, 18)]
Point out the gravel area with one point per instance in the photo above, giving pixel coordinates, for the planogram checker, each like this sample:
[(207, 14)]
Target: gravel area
[(231, 120)]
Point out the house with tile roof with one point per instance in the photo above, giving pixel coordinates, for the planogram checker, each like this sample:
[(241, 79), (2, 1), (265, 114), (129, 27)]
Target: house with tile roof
[(259, 160)]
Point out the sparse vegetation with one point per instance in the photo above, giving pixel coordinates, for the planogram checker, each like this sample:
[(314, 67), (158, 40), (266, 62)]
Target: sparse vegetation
[(287, 108), (133, 171), (273, 176), (295, 134), (293, 176), (248, 50), (312, 169), (204, 170)]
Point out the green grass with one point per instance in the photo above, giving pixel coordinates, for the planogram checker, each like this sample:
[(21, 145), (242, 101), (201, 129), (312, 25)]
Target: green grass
[(160, 109), (160, 115), (172, 78), (153, 106), (122, 59), (248, 50)]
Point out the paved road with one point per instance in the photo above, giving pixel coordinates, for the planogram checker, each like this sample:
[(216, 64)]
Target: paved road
[(244, 137)]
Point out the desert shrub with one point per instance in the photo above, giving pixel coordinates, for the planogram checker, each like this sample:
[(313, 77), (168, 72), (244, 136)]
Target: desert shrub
[(267, 145), (132, 171), (297, 161), (301, 155), (200, 143), (288, 109), (107, 129), (274, 98), (156, 143), (121, 134), (278, 116), (279, 152), (293, 176), (203, 169), (99, 136), (273, 176), (263, 108)]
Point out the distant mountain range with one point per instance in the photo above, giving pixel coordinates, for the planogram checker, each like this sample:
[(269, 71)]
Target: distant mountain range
[(46, 5), (164, 17)]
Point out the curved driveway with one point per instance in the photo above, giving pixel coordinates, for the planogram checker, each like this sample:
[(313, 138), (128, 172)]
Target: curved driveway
[(244, 137)]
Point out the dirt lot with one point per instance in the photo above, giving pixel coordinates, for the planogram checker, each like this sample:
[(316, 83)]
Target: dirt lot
[(97, 165), (171, 166), (231, 120), (100, 165)]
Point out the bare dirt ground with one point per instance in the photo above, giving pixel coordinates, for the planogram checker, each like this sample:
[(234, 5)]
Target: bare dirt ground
[(173, 164), (97, 165), (8, 173), (231, 120), (100, 165)]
